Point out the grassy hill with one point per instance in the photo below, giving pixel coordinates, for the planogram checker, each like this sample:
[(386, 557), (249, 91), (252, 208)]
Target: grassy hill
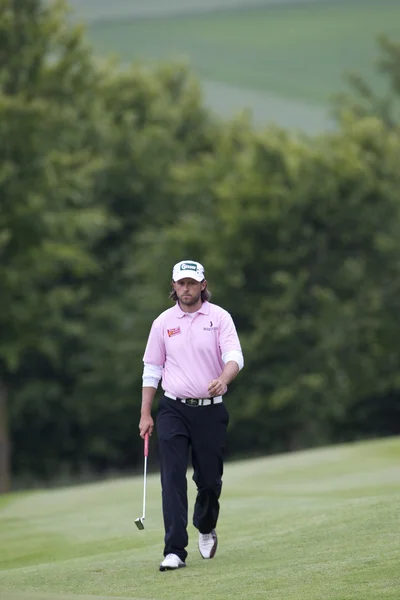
[(282, 60), (313, 525), (296, 50)]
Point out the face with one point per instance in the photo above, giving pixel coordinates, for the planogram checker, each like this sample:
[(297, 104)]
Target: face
[(189, 291)]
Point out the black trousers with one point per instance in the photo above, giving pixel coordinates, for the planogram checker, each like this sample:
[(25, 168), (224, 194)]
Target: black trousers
[(203, 428)]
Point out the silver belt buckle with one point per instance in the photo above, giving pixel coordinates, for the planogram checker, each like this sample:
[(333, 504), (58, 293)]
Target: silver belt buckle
[(192, 401)]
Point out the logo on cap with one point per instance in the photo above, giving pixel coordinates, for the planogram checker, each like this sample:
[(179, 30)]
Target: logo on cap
[(188, 267)]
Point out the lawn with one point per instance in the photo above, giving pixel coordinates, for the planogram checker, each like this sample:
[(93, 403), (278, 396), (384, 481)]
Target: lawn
[(314, 525), (298, 50)]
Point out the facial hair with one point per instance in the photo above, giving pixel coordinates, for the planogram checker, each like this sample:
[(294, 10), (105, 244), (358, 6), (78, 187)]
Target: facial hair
[(192, 301)]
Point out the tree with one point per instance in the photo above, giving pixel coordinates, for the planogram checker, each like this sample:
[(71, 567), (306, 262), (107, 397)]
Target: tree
[(159, 126), (108, 177), (362, 100), (142, 124), (301, 238), (50, 144)]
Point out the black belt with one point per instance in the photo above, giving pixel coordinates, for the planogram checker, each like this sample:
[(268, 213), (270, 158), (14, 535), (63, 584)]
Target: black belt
[(195, 401)]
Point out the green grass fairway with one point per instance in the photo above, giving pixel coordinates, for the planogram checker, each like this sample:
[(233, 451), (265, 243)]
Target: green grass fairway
[(315, 525), (296, 50)]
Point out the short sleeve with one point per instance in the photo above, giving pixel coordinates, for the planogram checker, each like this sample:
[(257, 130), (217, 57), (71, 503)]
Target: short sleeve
[(228, 337), (154, 353)]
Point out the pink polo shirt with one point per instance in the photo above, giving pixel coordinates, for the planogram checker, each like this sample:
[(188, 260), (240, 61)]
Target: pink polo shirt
[(190, 348)]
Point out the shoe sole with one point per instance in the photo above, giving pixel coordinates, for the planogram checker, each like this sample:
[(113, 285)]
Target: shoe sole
[(171, 568), (214, 549)]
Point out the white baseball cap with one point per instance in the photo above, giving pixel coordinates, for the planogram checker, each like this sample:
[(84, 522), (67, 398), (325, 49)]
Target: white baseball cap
[(188, 268)]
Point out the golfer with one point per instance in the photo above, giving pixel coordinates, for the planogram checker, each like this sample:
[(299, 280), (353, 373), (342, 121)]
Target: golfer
[(193, 348)]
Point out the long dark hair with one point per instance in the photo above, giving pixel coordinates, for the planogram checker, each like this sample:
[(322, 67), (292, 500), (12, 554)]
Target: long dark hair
[(205, 295)]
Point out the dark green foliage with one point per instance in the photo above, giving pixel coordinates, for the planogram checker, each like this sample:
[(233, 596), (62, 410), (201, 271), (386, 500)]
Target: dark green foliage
[(110, 176), (363, 100)]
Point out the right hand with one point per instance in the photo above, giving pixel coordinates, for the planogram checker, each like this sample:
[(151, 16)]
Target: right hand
[(146, 425)]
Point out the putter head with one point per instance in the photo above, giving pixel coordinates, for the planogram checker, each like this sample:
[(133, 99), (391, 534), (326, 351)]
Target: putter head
[(139, 523)]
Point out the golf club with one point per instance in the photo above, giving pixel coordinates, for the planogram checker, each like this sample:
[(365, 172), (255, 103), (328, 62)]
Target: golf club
[(140, 520)]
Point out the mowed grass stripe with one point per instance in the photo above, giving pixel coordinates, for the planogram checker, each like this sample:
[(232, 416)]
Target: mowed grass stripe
[(297, 51), (309, 525), (265, 109), (104, 9), (52, 596)]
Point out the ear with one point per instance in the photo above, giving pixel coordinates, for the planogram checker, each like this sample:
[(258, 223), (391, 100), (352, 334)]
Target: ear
[(203, 285)]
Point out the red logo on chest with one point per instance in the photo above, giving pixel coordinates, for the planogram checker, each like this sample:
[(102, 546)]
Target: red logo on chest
[(174, 331)]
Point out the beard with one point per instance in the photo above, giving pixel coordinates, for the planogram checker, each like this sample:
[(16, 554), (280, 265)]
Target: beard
[(190, 301)]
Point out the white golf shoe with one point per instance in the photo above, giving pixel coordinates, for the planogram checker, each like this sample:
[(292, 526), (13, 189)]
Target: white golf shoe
[(208, 544), (170, 562)]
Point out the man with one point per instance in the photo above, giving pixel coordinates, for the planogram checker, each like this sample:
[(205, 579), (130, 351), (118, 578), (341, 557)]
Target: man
[(194, 348)]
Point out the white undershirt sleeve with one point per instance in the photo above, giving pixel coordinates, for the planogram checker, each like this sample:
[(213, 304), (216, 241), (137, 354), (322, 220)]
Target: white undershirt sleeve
[(151, 375), (235, 355)]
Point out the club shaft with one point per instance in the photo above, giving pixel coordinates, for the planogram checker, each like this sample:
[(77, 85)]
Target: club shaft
[(144, 486)]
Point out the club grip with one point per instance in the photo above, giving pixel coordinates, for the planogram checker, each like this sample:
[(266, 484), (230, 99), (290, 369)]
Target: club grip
[(146, 444)]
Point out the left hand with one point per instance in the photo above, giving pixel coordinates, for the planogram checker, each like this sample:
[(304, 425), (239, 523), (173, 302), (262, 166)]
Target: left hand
[(217, 387)]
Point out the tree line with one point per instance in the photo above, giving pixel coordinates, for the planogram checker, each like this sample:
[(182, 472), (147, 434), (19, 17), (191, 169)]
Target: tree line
[(109, 176)]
